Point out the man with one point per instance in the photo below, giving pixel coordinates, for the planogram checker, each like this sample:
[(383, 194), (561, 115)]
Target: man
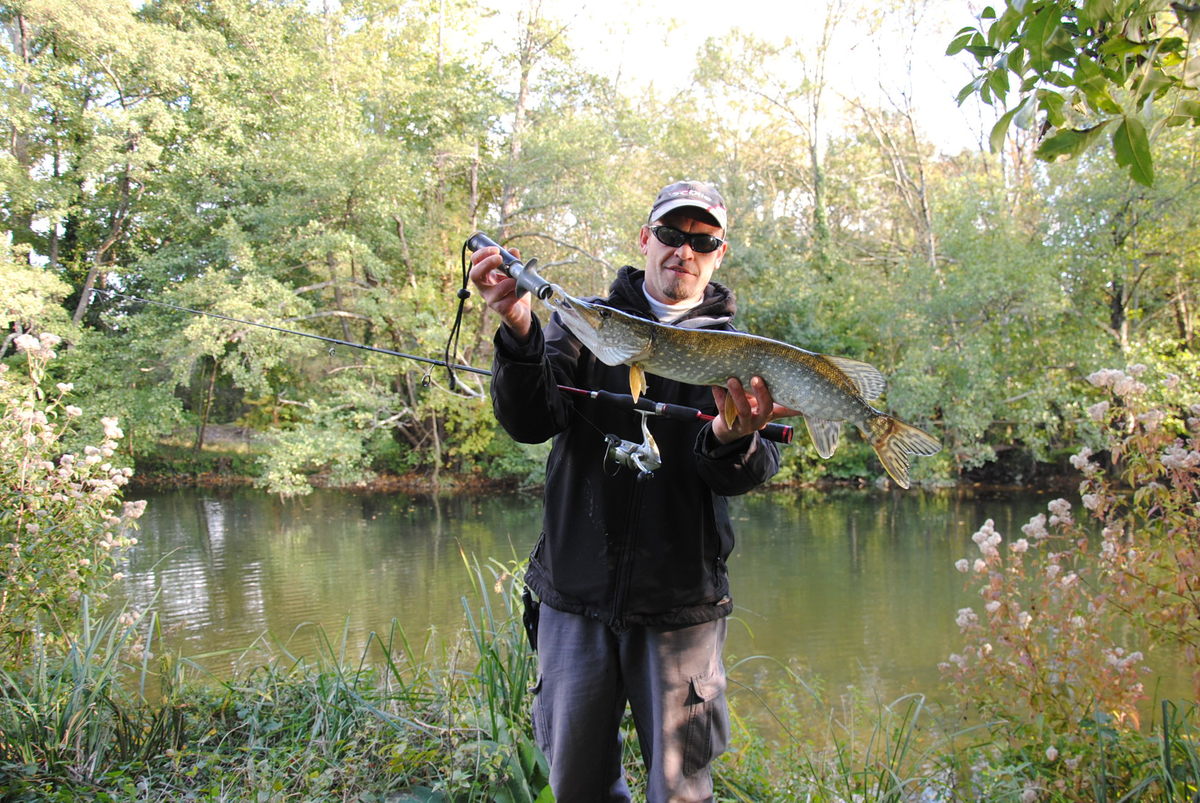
[(629, 570)]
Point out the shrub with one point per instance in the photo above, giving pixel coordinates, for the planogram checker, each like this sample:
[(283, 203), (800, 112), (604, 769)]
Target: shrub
[(1045, 659), (62, 523)]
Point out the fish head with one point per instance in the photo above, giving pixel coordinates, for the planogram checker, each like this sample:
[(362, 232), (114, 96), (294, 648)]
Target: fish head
[(613, 336)]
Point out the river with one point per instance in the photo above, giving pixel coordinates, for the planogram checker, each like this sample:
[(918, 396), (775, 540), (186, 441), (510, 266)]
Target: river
[(851, 588)]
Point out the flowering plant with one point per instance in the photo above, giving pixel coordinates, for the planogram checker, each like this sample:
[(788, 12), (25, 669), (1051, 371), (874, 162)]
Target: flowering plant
[(62, 522), (1072, 608)]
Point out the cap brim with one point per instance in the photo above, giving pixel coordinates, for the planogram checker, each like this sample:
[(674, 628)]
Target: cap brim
[(717, 213)]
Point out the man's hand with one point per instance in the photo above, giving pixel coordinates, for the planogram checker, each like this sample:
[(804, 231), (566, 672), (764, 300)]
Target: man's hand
[(500, 291), (755, 409)]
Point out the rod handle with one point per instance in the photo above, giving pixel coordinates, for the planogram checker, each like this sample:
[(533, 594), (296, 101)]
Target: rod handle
[(527, 278)]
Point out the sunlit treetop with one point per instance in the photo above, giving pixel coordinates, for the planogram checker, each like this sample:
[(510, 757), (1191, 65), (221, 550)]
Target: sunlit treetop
[(1077, 70)]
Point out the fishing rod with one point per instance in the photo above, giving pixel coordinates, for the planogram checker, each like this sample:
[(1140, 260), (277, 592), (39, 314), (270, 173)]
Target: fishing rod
[(781, 433)]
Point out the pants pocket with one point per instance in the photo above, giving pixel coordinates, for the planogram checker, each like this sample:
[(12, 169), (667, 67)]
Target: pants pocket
[(708, 721)]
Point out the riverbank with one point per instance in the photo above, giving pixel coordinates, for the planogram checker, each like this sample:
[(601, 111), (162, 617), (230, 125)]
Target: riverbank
[(445, 721), (230, 464)]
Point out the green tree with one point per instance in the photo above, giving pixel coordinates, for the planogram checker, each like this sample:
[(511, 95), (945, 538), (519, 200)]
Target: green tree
[(1077, 70)]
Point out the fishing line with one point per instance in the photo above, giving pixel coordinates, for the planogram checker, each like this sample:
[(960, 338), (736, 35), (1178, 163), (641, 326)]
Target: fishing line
[(363, 346), (781, 433)]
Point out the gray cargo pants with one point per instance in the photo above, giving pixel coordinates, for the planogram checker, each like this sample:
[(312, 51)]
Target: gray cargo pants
[(674, 681)]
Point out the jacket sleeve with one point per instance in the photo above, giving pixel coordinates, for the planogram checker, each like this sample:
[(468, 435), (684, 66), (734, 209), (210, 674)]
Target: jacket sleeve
[(731, 469), (525, 380)]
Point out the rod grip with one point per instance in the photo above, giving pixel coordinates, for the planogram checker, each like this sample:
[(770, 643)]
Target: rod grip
[(527, 278)]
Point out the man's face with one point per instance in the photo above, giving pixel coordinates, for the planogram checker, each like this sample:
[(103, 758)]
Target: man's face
[(675, 275)]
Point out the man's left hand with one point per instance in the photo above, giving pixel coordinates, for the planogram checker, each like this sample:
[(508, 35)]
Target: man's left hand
[(755, 409)]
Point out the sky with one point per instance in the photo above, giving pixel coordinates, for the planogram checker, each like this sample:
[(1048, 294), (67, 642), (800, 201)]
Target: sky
[(656, 45)]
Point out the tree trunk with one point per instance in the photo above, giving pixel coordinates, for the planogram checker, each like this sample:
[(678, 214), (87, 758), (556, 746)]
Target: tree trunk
[(206, 408), (18, 140)]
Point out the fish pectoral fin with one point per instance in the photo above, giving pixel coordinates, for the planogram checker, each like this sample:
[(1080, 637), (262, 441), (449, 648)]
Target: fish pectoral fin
[(824, 434), (729, 413), (637, 381)]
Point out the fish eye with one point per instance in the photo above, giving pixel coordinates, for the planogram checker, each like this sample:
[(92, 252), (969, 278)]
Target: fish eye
[(604, 312)]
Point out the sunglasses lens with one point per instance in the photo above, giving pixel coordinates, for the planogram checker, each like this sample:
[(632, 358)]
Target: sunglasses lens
[(673, 238)]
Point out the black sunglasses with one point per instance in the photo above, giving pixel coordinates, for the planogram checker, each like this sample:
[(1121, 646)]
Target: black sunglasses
[(673, 238)]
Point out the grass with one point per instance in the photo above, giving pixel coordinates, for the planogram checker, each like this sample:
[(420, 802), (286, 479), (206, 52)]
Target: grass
[(430, 721)]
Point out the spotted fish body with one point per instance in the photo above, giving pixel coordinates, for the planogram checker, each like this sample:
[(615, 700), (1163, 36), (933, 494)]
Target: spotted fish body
[(826, 390)]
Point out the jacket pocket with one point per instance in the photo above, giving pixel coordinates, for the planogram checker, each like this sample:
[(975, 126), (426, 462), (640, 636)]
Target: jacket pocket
[(708, 720)]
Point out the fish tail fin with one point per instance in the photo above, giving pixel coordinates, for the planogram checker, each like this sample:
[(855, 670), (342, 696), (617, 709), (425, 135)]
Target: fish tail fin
[(896, 442)]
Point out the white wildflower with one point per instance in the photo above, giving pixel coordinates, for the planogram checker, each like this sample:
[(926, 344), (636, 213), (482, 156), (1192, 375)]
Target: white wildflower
[(1082, 462), (1097, 411), (27, 343), (980, 566), (111, 430), (1024, 619), (1019, 546), (1051, 753), (1105, 378), (966, 618), (1036, 528), (65, 387), (73, 411), (1176, 456), (962, 565), (1052, 571), (1091, 501)]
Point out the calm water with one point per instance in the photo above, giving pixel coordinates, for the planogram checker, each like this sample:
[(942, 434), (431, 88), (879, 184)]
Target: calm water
[(854, 588)]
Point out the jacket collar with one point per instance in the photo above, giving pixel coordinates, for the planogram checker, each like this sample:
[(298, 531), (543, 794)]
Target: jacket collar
[(717, 308)]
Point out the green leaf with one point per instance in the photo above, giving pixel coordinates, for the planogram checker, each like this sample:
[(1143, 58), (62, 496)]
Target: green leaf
[(1068, 142), (959, 42), (1000, 129), (968, 90), (1038, 35), (1095, 11), (1132, 149), (981, 52), (1052, 104), (1121, 46), (1089, 78), (1186, 111)]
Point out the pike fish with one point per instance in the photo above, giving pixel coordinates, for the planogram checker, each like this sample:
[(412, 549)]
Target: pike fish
[(827, 390)]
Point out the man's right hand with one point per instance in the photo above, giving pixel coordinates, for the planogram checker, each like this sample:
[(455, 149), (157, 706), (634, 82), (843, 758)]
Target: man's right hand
[(500, 291)]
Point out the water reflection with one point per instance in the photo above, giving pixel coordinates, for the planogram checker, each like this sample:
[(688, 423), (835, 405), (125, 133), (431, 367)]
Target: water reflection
[(855, 588)]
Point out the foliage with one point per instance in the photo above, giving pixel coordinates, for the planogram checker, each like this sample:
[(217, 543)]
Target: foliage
[(1048, 659), (29, 298), (403, 719), (1081, 69), (62, 523), (317, 168)]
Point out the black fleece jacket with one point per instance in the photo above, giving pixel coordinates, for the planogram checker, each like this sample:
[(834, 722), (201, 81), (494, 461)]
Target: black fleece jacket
[(614, 547)]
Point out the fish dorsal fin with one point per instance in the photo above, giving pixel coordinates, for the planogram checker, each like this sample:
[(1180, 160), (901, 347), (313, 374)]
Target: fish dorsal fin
[(866, 378), (824, 434)]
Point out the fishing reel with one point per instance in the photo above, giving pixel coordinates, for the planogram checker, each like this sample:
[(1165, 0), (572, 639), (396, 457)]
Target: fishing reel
[(644, 457)]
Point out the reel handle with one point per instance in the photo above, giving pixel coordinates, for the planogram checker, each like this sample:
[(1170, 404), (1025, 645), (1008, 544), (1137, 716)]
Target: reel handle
[(526, 276)]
